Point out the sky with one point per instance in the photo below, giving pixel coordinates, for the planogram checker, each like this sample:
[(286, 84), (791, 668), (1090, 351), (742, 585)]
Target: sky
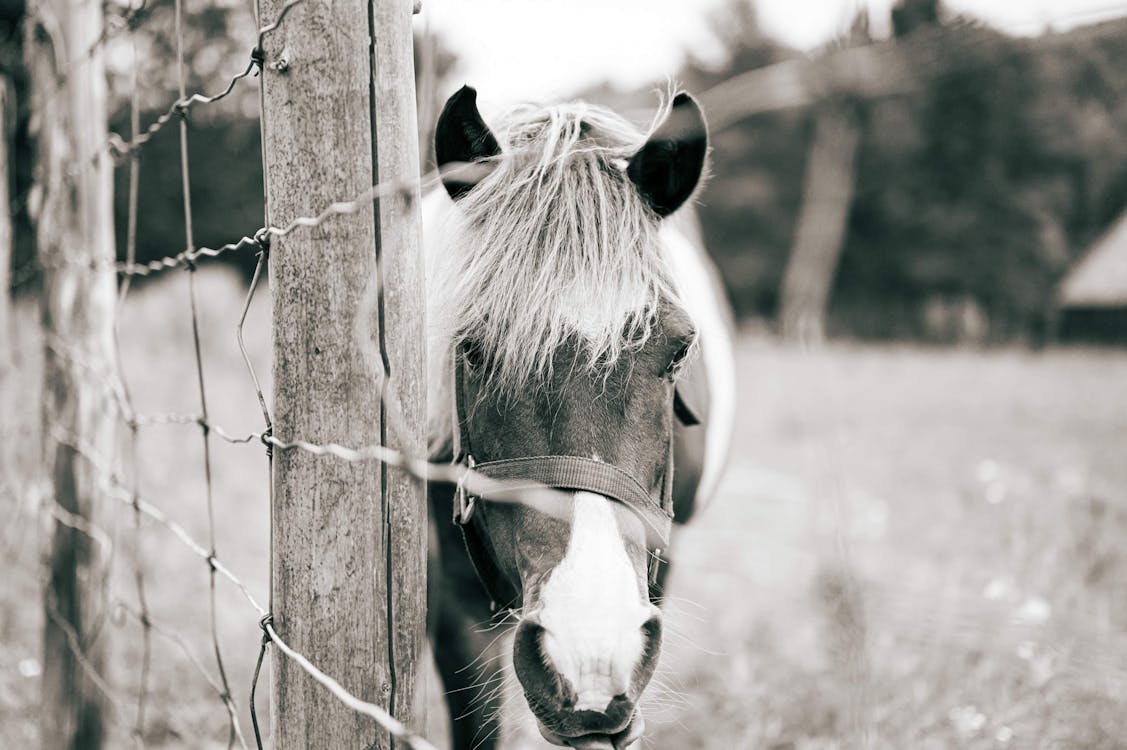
[(515, 50)]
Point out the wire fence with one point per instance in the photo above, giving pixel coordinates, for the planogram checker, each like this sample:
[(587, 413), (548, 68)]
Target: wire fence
[(119, 480), (729, 102)]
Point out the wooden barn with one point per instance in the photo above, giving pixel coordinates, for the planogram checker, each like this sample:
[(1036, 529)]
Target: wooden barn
[(1092, 299)]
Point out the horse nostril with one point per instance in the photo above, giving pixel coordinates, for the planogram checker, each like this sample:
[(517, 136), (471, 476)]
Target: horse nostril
[(651, 649), (540, 682), (651, 635)]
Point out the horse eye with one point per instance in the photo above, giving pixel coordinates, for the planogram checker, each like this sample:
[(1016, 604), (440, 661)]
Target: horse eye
[(473, 354), (678, 358)]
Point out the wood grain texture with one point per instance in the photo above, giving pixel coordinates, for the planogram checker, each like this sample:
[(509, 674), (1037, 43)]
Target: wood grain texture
[(403, 344), (74, 231), (348, 544)]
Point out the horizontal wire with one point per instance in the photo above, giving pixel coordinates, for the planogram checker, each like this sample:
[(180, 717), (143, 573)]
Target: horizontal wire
[(546, 499), (341, 208), (261, 237), (379, 190), (119, 148), (183, 258)]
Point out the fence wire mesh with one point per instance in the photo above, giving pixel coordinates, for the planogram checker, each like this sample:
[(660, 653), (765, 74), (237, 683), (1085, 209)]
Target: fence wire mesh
[(119, 474)]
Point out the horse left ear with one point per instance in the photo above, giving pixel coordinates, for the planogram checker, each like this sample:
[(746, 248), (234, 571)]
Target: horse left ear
[(461, 138), (668, 168)]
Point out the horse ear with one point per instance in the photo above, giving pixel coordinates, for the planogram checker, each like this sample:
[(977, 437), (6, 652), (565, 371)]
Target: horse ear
[(669, 166), (461, 138)]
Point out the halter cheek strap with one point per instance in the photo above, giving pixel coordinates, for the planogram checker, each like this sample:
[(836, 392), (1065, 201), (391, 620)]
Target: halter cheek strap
[(574, 473)]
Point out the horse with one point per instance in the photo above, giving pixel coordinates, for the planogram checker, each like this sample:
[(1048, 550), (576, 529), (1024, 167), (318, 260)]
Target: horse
[(578, 339)]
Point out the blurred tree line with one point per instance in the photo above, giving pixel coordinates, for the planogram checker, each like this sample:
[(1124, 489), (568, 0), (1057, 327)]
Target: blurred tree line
[(224, 139), (971, 194)]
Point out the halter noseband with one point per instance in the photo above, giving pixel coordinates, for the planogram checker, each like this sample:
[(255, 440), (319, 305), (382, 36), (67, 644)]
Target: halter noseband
[(574, 473)]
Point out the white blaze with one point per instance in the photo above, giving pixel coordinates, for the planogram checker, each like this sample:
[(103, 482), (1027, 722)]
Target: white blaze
[(593, 607)]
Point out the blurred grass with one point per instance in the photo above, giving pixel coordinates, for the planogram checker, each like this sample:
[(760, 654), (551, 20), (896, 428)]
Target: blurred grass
[(914, 548)]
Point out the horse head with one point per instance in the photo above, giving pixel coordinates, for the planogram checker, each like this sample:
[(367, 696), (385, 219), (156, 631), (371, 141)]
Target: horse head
[(565, 341)]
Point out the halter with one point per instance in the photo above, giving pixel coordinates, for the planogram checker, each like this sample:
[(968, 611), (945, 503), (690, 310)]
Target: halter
[(574, 473)]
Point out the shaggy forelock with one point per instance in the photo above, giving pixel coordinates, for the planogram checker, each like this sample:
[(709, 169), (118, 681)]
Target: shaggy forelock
[(555, 245)]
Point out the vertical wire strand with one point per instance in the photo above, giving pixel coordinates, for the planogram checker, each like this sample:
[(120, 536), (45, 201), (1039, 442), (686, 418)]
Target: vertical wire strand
[(376, 280), (234, 732), (254, 686), (268, 617), (129, 414), (263, 256)]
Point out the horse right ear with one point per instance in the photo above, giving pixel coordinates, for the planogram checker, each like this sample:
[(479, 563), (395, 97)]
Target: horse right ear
[(667, 169), (461, 140)]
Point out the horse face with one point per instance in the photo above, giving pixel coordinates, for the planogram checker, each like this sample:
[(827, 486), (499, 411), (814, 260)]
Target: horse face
[(588, 637)]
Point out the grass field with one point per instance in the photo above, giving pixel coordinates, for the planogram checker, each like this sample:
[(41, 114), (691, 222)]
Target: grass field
[(913, 548)]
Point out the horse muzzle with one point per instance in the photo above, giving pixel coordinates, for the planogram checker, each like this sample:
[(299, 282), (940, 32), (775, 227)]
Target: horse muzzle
[(564, 716)]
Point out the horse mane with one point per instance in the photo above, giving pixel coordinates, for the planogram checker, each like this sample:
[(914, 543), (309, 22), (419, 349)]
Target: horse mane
[(554, 246)]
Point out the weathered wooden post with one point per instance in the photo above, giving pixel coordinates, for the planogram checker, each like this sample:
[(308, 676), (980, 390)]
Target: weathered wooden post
[(822, 224), (349, 539), (74, 228), (7, 376)]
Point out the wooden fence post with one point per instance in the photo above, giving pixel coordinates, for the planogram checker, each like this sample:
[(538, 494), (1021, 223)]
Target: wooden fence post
[(8, 477), (349, 539), (827, 197), (74, 230)]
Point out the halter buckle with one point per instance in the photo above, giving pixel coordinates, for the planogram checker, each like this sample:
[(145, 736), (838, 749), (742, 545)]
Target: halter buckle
[(464, 502)]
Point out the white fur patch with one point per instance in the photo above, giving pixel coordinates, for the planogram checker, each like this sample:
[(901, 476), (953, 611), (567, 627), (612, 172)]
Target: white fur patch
[(698, 293), (593, 607)]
